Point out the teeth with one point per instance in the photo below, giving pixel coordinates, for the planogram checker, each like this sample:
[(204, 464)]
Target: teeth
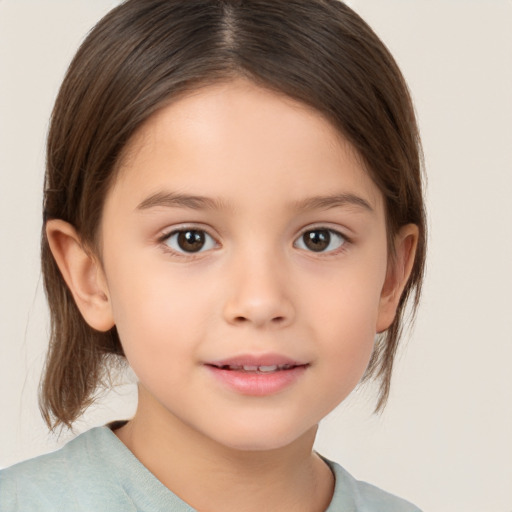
[(255, 368), (261, 369), (265, 369)]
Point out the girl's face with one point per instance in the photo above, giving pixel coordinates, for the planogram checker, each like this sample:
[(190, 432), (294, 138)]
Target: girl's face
[(245, 262)]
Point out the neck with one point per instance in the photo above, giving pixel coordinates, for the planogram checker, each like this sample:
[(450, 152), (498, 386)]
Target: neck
[(210, 476)]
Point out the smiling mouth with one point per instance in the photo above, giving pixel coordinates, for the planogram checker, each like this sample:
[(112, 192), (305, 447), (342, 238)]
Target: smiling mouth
[(257, 375), (261, 369)]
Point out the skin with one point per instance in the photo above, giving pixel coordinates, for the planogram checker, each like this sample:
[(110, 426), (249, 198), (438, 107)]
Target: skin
[(255, 288)]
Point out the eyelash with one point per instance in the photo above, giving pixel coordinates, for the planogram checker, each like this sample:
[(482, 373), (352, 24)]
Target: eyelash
[(342, 239), (166, 237), (211, 243)]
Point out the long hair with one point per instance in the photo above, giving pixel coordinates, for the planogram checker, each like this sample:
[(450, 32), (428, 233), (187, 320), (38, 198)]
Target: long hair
[(145, 53)]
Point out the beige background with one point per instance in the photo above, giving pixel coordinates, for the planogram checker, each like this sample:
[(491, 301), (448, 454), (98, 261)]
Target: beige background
[(445, 440)]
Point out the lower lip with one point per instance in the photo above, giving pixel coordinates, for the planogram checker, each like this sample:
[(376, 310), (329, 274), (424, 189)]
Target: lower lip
[(258, 384)]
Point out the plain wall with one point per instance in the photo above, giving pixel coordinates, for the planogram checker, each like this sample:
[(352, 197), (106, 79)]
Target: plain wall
[(445, 439)]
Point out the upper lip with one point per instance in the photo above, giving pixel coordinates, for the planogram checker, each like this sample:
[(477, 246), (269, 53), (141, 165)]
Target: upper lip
[(257, 360)]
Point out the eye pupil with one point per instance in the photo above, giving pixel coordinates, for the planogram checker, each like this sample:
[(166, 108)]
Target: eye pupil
[(191, 241), (317, 240)]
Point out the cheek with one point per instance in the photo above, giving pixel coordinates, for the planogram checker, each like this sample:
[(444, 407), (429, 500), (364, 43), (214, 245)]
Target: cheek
[(157, 320), (347, 310), (349, 343), (347, 301)]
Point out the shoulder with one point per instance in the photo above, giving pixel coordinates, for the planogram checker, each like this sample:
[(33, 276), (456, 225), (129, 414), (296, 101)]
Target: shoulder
[(358, 496), (60, 481), (94, 472)]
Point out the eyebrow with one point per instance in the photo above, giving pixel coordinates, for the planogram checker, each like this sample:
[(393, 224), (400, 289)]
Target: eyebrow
[(194, 202), (334, 201), (177, 200)]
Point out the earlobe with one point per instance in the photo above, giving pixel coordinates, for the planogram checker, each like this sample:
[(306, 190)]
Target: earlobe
[(399, 270), (83, 274)]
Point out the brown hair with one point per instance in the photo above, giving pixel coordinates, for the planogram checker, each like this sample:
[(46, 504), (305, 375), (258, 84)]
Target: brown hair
[(145, 53)]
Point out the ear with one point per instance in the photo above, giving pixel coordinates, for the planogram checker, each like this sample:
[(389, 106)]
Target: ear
[(398, 272), (83, 274)]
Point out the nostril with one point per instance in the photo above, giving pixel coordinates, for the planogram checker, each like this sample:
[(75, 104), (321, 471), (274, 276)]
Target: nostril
[(243, 319)]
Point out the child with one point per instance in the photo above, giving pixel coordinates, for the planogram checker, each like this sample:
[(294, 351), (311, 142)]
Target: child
[(233, 206)]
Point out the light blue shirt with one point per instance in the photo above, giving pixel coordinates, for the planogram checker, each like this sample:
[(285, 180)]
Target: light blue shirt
[(96, 472)]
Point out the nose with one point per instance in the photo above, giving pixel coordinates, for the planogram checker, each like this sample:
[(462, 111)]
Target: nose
[(259, 294)]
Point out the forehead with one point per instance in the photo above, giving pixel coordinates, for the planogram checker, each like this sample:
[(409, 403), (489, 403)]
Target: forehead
[(238, 135)]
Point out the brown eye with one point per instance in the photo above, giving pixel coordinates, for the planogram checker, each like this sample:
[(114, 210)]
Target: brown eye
[(320, 240), (190, 241)]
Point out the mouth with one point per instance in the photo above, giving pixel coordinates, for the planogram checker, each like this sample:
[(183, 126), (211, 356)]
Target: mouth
[(250, 368), (258, 375)]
